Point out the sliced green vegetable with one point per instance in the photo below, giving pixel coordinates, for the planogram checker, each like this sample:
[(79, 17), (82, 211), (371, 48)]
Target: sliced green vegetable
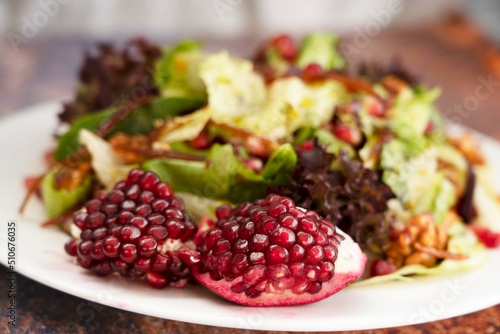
[(140, 121), (58, 201), (278, 169), (321, 49)]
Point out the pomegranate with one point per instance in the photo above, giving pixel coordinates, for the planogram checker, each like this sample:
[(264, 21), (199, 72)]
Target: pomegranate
[(381, 267), (138, 229), (489, 238), (272, 253)]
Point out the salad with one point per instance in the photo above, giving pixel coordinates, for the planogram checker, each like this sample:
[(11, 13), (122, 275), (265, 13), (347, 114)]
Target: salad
[(276, 180)]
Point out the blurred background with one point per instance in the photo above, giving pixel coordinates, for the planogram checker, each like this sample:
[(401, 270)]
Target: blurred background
[(449, 42)]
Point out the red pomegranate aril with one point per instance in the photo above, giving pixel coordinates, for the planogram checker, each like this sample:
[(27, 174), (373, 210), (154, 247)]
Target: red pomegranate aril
[(99, 234), (161, 263), (120, 267), (177, 203), (128, 253), (148, 181), (315, 254), (102, 268), (133, 176), (312, 273), (489, 238), (276, 210), (238, 287), (111, 246), (327, 228), (158, 231), (71, 247), (259, 242), (142, 265), (257, 258), (288, 221), (133, 192), (212, 237), (297, 253), (279, 271), (314, 288), (159, 205), (241, 246), (175, 228), (297, 213), (117, 196), (129, 233), (95, 220), (222, 246), (156, 219), (276, 254), (114, 229), (140, 222), (284, 238), (312, 72), (189, 256), (267, 225), (111, 220), (201, 142), (326, 271), (93, 206), (381, 267), (189, 231), (285, 46), (96, 250), (80, 220), (146, 197), (297, 269), (330, 253), (164, 190), (86, 234), (83, 250), (109, 208), (146, 246), (84, 263), (247, 230), (253, 274), (173, 213), (143, 210), (124, 217), (301, 286), (231, 232), (223, 211), (309, 226), (321, 238), (239, 264), (156, 280)]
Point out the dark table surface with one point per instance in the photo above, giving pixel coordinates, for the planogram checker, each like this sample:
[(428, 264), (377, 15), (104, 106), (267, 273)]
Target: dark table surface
[(451, 54)]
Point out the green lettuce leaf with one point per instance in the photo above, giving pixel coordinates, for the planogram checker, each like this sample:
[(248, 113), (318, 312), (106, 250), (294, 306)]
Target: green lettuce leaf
[(140, 121), (321, 49), (58, 201)]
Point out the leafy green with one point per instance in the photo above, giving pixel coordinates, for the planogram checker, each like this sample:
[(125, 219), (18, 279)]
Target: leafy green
[(58, 201), (320, 48), (140, 121), (177, 73), (325, 137), (223, 176)]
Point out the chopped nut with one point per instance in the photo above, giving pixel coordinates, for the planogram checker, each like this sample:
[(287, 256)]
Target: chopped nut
[(70, 178), (121, 141), (394, 84)]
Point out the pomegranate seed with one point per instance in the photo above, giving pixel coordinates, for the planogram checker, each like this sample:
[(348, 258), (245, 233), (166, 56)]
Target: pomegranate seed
[(133, 176), (297, 269), (202, 142), (305, 239), (312, 72), (99, 234), (297, 253), (159, 205), (95, 220), (259, 242), (189, 256), (96, 251), (307, 145), (284, 238), (377, 108), (239, 263), (175, 228), (257, 258), (93, 206), (129, 233), (146, 246), (157, 231), (111, 246), (83, 250), (223, 211), (86, 234), (164, 191), (142, 265), (161, 263), (326, 271), (128, 253), (148, 181), (71, 247), (288, 221), (253, 274), (276, 210), (156, 280), (143, 210), (277, 254), (133, 192), (241, 246), (381, 267), (314, 288), (285, 46), (80, 220), (84, 263), (124, 217), (116, 196), (487, 237), (102, 268)]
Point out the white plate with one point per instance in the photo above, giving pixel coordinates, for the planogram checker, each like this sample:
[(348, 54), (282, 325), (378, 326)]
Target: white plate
[(25, 136)]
